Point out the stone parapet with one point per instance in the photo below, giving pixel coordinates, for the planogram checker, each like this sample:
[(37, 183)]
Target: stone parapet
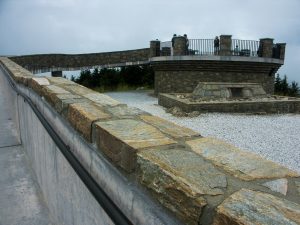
[(200, 180)]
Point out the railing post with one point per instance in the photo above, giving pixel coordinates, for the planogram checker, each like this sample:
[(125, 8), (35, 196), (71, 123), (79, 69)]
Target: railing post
[(282, 50), (265, 47), (225, 44), (154, 48), (180, 47)]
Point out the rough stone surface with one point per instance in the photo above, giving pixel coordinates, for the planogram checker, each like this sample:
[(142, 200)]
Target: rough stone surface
[(180, 179), (78, 89), (179, 78), (19, 74), (169, 127), (223, 90), (37, 83), (64, 100), (50, 93), (272, 105), (280, 185), (120, 140), (123, 111), (253, 208), (102, 99), (82, 115), (241, 164), (60, 81)]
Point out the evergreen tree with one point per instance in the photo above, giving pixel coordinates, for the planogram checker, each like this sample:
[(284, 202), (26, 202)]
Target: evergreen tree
[(277, 85), (294, 89), (284, 86)]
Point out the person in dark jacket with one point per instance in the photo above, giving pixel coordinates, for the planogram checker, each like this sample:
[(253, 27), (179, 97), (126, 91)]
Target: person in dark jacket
[(216, 45)]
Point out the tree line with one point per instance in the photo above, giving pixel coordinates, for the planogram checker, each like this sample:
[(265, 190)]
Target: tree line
[(108, 79), (282, 87), (132, 77)]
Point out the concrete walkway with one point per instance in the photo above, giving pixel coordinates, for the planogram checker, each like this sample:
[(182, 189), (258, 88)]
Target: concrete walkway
[(21, 202)]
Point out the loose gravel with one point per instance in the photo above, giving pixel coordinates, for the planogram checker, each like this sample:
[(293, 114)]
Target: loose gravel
[(275, 137)]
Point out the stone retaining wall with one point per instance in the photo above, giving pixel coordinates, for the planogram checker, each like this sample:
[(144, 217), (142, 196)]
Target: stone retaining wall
[(200, 180), (183, 76), (45, 62), (285, 105)]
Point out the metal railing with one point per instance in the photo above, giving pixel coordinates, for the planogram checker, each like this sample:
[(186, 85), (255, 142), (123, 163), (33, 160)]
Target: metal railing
[(206, 47), (244, 47), (201, 47)]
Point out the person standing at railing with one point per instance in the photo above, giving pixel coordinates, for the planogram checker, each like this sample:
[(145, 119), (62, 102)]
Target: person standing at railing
[(236, 50), (186, 44), (173, 42), (216, 45)]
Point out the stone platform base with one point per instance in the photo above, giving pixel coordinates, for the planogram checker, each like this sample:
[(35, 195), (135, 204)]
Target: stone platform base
[(273, 104)]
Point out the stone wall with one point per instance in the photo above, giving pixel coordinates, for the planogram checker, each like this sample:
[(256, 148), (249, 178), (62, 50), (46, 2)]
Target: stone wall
[(45, 62), (186, 81), (199, 180), (184, 76), (270, 106)]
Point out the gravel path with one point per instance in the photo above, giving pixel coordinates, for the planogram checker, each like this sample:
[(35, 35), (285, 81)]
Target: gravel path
[(275, 137)]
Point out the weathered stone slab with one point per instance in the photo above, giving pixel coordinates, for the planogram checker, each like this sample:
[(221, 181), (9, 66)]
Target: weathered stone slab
[(102, 99), (56, 96), (82, 115), (125, 112), (169, 127), (55, 89), (24, 79), (253, 208), (280, 185), (50, 93), (18, 73), (21, 77), (241, 164), (78, 89), (36, 83), (60, 81), (121, 139), (180, 179), (64, 100)]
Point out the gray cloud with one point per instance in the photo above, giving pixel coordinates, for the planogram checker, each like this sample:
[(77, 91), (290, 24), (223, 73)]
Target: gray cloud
[(77, 26)]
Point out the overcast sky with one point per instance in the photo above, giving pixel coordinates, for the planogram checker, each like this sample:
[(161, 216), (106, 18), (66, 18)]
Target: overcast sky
[(82, 26)]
